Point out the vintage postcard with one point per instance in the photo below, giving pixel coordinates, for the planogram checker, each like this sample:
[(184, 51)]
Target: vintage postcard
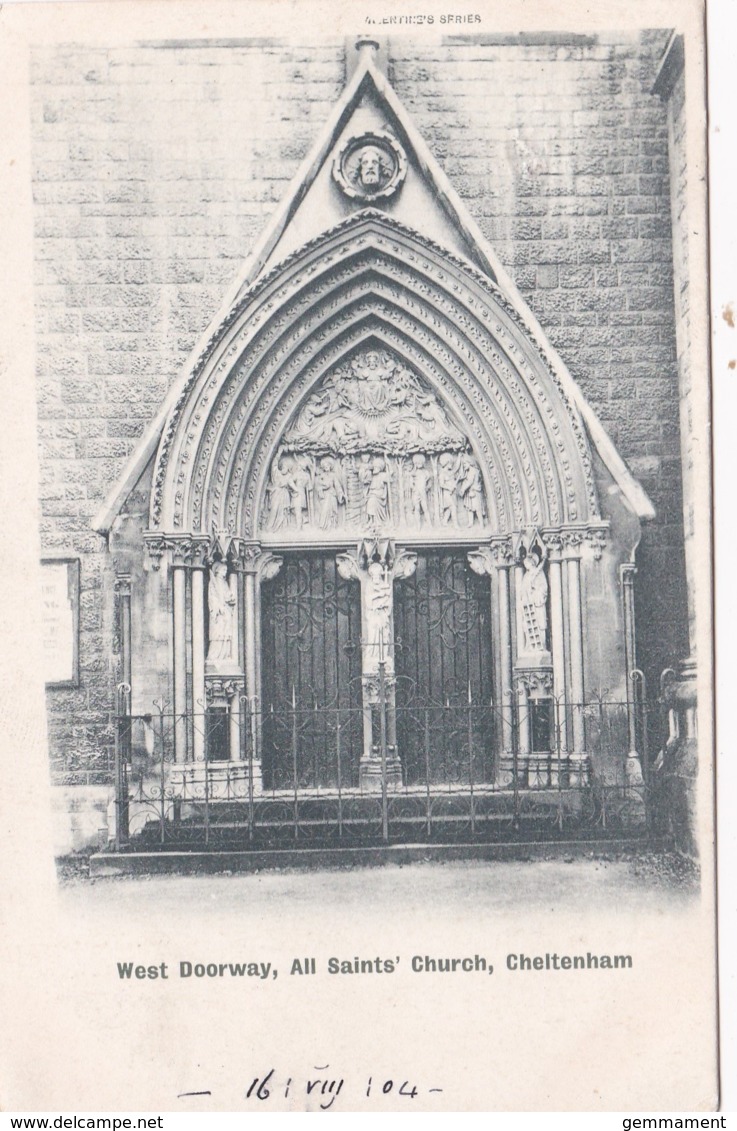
[(358, 731)]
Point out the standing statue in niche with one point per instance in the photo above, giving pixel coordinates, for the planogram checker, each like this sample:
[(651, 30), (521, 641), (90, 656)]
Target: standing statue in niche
[(534, 599), (221, 603)]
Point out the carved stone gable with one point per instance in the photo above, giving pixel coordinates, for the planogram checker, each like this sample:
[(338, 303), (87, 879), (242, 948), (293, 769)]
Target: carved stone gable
[(373, 449)]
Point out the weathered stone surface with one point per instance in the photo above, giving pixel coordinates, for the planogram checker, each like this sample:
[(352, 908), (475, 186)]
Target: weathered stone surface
[(155, 170)]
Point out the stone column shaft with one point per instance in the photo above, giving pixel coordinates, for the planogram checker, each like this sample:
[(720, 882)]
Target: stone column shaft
[(505, 656), (573, 569), (557, 647), (251, 634), (180, 663), (234, 725), (627, 575), (199, 704), (523, 707), (123, 593)]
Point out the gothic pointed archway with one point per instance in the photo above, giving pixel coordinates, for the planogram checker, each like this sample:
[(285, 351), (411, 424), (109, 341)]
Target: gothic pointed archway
[(375, 390), (372, 283), (375, 441)]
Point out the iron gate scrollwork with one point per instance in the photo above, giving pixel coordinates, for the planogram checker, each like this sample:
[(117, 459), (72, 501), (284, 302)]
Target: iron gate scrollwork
[(444, 677), (311, 675)]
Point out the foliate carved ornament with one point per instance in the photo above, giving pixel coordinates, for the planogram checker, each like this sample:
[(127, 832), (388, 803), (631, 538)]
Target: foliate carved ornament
[(122, 584), (405, 565), (157, 547), (536, 682), (596, 537), (571, 541), (371, 684), (487, 559), (181, 549), (269, 566), (218, 689), (249, 557)]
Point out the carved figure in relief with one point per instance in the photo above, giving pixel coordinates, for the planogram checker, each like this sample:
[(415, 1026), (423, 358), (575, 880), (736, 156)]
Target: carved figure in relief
[(372, 417), (421, 483), (221, 603), (309, 421), (301, 487), (377, 498), (372, 371), (432, 416), (448, 472), (329, 493), (405, 387), (472, 491), (364, 473), (534, 600), (378, 611), (280, 493), (373, 170)]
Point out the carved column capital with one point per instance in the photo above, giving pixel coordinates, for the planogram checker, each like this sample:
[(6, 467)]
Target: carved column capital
[(538, 682), (181, 549), (158, 545), (491, 556), (122, 584), (250, 558), (221, 689), (247, 554), (578, 541), (627, 571), (199, 551)]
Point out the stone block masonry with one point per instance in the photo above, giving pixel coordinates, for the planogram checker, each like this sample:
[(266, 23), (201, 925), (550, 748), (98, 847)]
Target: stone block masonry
[(157, 166)]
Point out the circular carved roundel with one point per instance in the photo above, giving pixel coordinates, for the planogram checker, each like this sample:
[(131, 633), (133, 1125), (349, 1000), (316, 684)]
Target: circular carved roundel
[(370, 166)]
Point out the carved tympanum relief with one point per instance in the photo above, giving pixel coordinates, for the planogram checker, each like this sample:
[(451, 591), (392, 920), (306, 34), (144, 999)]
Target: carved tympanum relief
[(373, 449)]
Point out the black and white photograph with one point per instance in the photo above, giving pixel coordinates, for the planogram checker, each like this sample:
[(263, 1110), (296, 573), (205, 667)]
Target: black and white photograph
[(362, 605)]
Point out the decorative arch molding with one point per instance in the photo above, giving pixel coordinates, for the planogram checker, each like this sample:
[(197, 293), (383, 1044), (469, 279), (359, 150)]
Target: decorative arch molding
[(371, 281)]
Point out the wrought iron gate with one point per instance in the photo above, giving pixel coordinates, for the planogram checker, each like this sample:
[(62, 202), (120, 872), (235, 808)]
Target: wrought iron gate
[(445, 724), (311, 675)]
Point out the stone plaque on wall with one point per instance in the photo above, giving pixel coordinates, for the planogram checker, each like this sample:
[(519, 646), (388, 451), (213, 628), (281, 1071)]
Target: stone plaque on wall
[(60, 621)]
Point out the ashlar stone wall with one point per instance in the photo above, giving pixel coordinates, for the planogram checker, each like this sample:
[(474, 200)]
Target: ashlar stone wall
[(155, 168)]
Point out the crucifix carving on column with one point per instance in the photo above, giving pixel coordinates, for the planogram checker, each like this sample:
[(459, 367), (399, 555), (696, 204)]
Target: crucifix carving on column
[(376, 565)]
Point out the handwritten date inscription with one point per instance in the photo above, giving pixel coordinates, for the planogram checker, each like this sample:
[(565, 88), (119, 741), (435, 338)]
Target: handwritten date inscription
[(325, 1089)]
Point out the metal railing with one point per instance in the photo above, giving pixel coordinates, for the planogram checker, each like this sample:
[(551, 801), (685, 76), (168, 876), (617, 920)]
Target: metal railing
[(297, 774)]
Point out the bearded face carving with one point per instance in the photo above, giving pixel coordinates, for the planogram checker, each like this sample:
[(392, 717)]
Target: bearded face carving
[(370, 166)]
